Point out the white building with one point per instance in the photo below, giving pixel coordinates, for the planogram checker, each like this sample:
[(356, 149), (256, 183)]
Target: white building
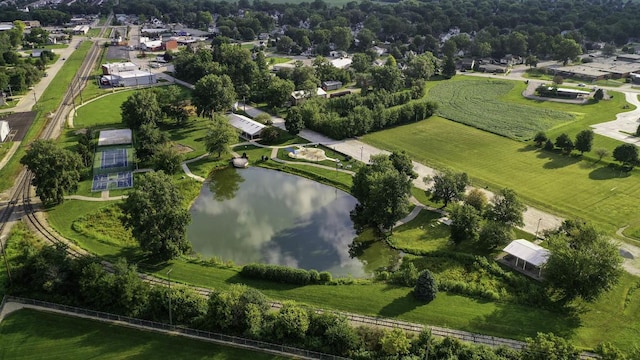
[(81, 29), (4, 130), (249, 129), (115, 137), (341, 63), (116, 68), (129, 78)]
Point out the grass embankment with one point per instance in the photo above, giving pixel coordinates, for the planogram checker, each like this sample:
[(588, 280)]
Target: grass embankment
[(571, 186), (48, 103), (28, 334)]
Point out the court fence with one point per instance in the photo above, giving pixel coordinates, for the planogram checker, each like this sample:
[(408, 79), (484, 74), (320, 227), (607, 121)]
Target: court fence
[(222, 339)]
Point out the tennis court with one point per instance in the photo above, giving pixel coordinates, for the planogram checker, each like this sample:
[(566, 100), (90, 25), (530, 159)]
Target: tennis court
[(112, 181), (114, 158)]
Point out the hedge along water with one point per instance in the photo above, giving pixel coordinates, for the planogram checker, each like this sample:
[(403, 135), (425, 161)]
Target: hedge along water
[(257, 215)]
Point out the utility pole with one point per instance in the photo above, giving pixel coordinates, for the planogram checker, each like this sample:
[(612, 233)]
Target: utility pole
[(169, 275), (538, 227)]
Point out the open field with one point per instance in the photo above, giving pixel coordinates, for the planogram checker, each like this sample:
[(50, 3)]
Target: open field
[(29, 334), (479, 103), (565, 185), (47, 103), (103, 112)]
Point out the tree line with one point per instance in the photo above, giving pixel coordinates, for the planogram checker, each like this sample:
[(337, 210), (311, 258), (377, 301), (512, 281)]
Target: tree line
[(46, 272)]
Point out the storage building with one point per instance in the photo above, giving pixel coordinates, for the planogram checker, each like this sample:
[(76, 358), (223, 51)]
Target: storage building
[(4, 130)]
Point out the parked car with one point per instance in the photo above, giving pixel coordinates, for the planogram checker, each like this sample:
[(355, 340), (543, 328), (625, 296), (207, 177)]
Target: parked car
[(582, 85)]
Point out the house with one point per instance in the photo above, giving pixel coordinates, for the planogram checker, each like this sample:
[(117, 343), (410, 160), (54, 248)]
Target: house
[(171, 44), (635, 78), (337, 54), (152, 45), (298, 96), (492, 68), (81, 29), (341, 63), (549, 91), (32, 24), (525, 255), (36, 53), (263, 36), (249, 129), (4, 130), (466, 64), (379, 50), (331, 85), (628, 58)]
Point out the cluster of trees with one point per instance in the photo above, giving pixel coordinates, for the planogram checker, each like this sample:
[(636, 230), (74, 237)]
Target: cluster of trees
[(154, 211), (17, 74), (382, 189), (144, 111), (44, 271), (317, 114), (510, 27), (285, 274), (626, 154), (583, 142), (56, 171), (584, 263), (473, 218)]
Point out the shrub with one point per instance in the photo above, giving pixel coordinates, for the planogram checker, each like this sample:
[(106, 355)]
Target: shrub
[(549, 145), (314, 276), (407, 275), (426, 288), (325, 277)]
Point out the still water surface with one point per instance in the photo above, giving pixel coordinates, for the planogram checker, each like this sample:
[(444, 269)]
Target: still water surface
[(260, 215)]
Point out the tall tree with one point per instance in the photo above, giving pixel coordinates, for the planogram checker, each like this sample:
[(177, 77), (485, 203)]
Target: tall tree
[(449, 68), (149, 139), (155, 213), (278, 92), (563, 141), (220, 135), (584, 141), (213, 93), (141, 108), (56, 171), (167, 159), (294, 122), (465, 223), (566, 50), (383, 195), (583, 262), (507, 208), (627, 155), (448, 186)]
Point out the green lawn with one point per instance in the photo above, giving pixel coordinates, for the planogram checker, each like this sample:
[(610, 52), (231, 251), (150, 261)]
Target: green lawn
[(31, 334), (94, 32), (567, 185), (102, 112), (48, 102), (274, 60), (479, 103)]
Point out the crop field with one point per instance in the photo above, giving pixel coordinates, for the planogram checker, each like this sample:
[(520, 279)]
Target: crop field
[(30, 334), (478, 103)]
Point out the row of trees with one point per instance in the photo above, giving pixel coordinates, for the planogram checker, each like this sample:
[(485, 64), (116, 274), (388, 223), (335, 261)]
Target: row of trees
[(44, 271), (626, 154)]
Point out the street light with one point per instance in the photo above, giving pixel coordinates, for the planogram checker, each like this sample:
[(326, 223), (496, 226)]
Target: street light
[(538, 227), (361, 151), (169, 275)]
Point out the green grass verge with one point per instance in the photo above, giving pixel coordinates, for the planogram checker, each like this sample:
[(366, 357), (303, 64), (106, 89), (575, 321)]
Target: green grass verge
[(29, 334), (49, 102), (93, 32), (274, 60), (479, 103)]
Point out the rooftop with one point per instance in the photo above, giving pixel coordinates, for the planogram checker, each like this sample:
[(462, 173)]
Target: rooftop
[(114, 137), (245, 124), (528, 251)]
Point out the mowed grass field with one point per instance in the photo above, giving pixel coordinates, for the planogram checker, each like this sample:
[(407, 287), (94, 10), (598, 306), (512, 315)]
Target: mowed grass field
[(570, 186), (31, 334), (479, 103)]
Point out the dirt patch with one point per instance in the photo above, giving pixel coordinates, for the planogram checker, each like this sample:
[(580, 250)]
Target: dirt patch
[(182, 149), (311, 154)]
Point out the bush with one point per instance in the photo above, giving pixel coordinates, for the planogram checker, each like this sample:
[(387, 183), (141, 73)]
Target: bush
[(284, 274), (426, 288), (407, 275), (325, 277)]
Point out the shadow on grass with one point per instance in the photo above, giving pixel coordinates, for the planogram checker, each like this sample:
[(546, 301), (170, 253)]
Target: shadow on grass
[(608, 172), (509, 319), (261, 284), (400, 306), (558, 161), (528, 148)]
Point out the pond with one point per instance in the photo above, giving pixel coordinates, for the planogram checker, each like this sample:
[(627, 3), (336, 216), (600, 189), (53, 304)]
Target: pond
[(266, 216)]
